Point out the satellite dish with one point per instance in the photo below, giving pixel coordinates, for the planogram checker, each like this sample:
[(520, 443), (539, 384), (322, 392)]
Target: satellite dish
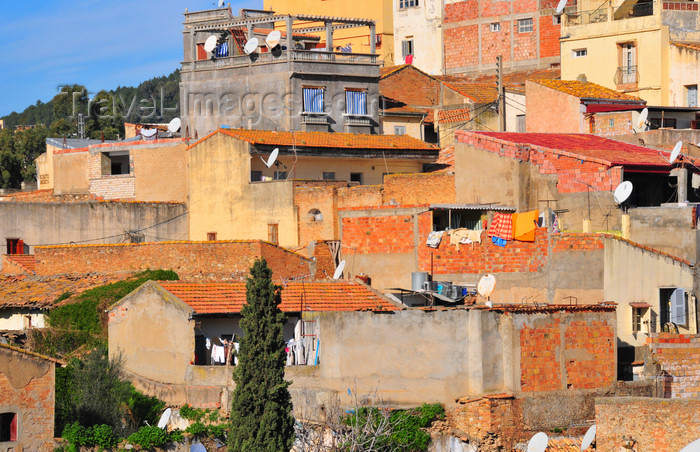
[(643, 117), (273, 39), (486, 285), (339, 270), (588, 438), (489, 304), (148, 132), (561, 6), (538, 443), (676, 152), (692, 447), (622, 192), (174, 125), (221, 3), (271, 159), (210, 43), (164, 418), (198, 447), (251, 46)]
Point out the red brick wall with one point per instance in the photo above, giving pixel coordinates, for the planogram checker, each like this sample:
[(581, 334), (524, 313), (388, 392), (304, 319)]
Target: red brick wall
[(549, 37), (655, 425), (456, 12), (679, 358), (481, 417), (622, 123), (323, 199), (460, 46), (430, 188), (30, 393), (10, 267), (570, 169), (379, 234), (588, 353), (190, 260), (361, 195)]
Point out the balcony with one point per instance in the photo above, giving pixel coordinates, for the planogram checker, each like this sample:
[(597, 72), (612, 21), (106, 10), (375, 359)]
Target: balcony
[(626, 75), (352, 120)]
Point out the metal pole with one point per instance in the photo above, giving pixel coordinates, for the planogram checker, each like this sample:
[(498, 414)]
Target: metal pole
[(501, 94)]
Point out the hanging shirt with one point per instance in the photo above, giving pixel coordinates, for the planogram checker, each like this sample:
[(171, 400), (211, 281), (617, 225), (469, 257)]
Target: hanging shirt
[(502, 226)]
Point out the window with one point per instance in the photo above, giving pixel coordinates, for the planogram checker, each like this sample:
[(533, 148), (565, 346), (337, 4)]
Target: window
[(638, 319), (355, 102), (211, 236), (520, 123), (221, 50), (579, 53), (313, 100), (201, 53), (691, 95), (314, 215), (556, 19), (273, 233), (611, 123), (407, 3), (15, 246), (256, 176), (115, 163), (496, 26), (672, 309), (356, 177), (399, 130), (627, 56), (328, 175), (406, 48), (525, 25), (8, 427)]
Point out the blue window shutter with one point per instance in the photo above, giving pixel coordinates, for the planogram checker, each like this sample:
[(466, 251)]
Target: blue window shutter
[(356, 102), (313, 100), (678, 307)]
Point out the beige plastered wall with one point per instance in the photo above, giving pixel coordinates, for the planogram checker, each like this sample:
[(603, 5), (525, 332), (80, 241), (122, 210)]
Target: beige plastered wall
[(635, 275), (411, 123), (423, 25), (20, 319), (684, 70), (160, 173), (601, 42), (381, 11), (71, 173)]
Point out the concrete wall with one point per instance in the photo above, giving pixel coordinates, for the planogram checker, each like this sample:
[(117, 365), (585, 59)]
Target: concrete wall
[(634, 274), (650, 424), (27, 388), (423, 25), (21, 319), (160, 173), (90, 222), (70, 173), (670, 228), (412, 124)]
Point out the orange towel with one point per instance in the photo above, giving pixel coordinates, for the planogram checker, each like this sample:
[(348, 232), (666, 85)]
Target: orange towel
[(524, 225)]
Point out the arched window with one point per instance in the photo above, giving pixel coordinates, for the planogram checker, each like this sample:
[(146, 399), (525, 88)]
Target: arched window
[(315, 215)]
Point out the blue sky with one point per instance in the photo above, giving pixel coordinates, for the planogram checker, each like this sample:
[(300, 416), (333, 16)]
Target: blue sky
[(100, 44)]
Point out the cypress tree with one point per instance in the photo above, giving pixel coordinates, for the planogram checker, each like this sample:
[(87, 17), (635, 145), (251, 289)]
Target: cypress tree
[(261, 419)]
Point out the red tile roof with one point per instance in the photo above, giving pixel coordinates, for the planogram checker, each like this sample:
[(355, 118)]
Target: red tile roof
[(514, 81), (48, 196), (565, 444), (591, 147), (41, 292), (689, 46), (586, 90), (454, 115), (478, 92), (411, 86), (226, 298), (326, 140), (31, 353)]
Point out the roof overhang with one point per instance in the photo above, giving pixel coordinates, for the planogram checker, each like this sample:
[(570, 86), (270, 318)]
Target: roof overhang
[(472, 207)]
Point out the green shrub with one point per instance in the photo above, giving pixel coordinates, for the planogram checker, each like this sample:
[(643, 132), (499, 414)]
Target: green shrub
[(149, 436), (98, 435), (205, 422), (144, 408)]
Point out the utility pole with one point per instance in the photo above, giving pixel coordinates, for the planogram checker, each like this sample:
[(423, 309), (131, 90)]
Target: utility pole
[(501, 94)]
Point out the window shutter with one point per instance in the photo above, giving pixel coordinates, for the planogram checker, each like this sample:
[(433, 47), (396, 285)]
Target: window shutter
[(678, 307)]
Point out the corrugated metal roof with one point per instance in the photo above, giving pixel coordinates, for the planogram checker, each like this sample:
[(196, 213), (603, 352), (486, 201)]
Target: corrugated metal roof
[(73, 143), (472, 207)]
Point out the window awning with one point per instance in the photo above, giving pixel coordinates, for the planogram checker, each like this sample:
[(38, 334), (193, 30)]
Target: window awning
[(639, 304)]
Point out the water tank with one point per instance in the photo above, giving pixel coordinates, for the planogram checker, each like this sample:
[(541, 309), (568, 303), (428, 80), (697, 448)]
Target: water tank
[(417, 280)]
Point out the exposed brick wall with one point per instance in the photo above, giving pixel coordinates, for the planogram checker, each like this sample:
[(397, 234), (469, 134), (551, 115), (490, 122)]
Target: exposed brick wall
[(574, 174), (429, 188), (361, 195), (549, 37), (191, 260), (483, 418), (456, 12), (588, 352), (460, 48), (325, 266), (678, 355), (12, 267), (382, 234), (653, 424), (622, 123), (311, 227), (29, 392), (114, 187)]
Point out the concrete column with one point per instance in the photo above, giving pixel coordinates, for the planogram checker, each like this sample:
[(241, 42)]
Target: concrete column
[(249, 27), (290, 42), (682, 178), (329, 36), (625, 226), (372, 39), (587, 225)]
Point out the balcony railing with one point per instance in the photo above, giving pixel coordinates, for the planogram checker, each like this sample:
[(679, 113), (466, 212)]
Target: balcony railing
[(605, 13), (357, 121), (314, 118), (283, 56), (626, 75)]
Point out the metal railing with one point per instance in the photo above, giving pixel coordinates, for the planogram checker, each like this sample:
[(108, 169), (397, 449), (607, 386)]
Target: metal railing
[(604, 13), (625, 75), (283, 56)]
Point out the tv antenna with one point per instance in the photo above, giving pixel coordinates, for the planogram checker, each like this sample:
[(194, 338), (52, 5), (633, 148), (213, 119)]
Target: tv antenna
[(339, 270), (538, 443), (485, 287), (272, 158), (174, 125), (251, 46), (210, 43), (588, 438)]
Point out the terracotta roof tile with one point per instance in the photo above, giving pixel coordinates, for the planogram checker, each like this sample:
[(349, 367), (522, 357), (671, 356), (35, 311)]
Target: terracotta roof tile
[(225, 298), (326, 140), (481, 93), (48, 196), (590, 147), (586, 89), (565, 444), (26, 262), (411, 86), (686, 45), (514, 81), (454, 115), (41, 292), (34, 354)]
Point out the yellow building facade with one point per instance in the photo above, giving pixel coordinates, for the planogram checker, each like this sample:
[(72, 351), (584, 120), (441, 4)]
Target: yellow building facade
[(640, 49), (358, 38)]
